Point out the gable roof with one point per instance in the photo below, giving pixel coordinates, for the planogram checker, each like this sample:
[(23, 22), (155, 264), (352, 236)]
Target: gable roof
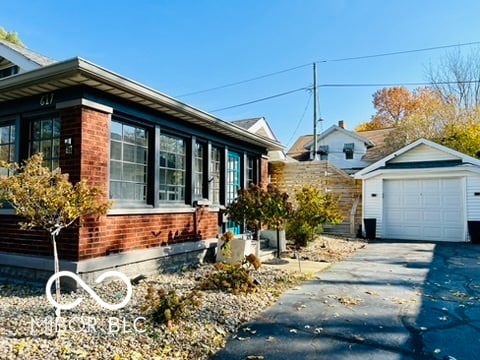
[(13, 54), (333, 128), (441, 156), (298, 150), (78, 71), (257, 126)]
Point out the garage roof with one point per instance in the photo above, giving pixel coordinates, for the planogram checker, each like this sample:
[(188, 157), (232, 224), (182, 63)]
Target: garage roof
[(449, 159), (78, 71)]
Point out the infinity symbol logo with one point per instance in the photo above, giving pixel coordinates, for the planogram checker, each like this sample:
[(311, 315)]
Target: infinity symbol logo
[(48, 290)]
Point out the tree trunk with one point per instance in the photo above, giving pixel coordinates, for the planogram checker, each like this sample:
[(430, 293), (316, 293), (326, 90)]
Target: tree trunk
[(56, 269)]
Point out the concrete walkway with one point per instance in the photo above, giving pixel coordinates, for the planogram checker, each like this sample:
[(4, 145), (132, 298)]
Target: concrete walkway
[(392, 300)]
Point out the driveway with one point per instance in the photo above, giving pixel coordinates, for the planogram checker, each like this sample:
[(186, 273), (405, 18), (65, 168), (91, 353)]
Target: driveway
[(392, 300)]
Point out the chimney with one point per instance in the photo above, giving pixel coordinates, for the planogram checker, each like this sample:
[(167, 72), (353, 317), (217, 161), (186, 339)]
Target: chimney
[(341, 124)]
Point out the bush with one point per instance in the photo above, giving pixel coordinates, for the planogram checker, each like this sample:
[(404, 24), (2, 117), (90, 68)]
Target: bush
[(232, 278), (314, 208), (165, 306)]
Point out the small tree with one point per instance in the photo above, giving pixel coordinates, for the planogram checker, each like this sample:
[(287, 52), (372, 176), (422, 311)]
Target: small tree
[(45, 199), (256, 206), (314, 208)]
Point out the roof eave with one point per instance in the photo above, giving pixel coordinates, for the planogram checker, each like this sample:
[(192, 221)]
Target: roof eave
[(78, 71)]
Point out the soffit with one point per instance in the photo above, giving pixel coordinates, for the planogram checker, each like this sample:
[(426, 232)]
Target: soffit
[(77, 72)]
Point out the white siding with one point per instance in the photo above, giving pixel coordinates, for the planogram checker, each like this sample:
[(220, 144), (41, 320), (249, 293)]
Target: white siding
[(423, 153), (373, 201), (336, 141), (473, 201)]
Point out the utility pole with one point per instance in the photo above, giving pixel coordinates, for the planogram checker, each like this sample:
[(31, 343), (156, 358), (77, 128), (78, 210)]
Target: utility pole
[(315, 140)]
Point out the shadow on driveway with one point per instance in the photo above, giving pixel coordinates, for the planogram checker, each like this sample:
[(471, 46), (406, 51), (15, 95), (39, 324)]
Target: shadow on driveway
[(391, 300)]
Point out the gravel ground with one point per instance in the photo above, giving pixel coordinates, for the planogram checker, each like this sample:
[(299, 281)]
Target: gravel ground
[(89, 331)]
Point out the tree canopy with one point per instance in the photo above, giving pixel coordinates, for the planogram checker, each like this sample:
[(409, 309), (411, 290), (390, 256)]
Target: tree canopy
[(10, 36)]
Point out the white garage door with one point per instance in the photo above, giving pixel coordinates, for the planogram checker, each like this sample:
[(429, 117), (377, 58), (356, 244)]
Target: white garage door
[(425, 209)]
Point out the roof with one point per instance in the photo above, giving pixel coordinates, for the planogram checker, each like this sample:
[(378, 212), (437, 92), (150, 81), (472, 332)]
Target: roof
[(25, 58), (77, 71), (298, 150), (257, 126), (374, 138), (377, 138), (456, 161), (246, 123), (333, 128)]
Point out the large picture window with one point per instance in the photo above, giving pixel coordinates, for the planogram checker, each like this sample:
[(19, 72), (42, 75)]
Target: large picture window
[(45, 139), (7, 145), (128, 162), (172, 169)]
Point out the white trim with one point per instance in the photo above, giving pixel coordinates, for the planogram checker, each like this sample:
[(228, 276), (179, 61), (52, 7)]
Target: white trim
[(362, 174), (84, 102)]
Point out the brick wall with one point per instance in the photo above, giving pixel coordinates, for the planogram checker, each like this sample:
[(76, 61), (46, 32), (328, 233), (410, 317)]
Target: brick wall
[(89, 133), (292, 176)]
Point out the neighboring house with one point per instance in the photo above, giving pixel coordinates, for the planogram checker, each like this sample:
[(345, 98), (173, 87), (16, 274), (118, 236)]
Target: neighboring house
[(168, 167), (259, 126), (424, 191), (15, 59), (346, 150)]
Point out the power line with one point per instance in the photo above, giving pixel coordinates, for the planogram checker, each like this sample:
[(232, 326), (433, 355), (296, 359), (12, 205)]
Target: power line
[(241, 81), (262, 99), (400, 52), (399, 84), (300, 120), (326, 61)]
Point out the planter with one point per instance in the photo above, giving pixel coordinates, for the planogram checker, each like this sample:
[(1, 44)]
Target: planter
[(271, 235), (239, 248)]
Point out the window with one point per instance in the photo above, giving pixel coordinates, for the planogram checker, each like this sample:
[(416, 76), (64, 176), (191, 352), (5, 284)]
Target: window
[(7, 145), (198, 172), (348, 150), (250, 171), (9, 71), (45, 139), (323, 152), (172, 169), (214, 180), (128, 162)]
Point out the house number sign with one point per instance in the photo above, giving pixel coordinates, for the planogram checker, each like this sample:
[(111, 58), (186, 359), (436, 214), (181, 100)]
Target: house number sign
[(46, 99)]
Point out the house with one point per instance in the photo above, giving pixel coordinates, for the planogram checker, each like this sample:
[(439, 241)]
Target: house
[(169, 168), (259, 126), (345, 149), (424, 191), (15, 59)]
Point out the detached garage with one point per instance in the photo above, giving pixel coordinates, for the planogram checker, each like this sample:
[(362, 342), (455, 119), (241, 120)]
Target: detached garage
[(424, 191)]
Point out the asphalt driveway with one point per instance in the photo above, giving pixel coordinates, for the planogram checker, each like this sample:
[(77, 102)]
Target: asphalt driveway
[(392, 300)]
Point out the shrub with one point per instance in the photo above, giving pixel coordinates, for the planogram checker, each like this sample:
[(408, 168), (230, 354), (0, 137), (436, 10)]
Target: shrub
[(314, 208), (232, 278), (165, 307)]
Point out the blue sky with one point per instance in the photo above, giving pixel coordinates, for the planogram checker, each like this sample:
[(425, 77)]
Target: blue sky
[(180, 46)]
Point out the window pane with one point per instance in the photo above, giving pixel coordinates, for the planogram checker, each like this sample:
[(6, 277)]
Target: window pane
[(172, 168), (45, 138), (128, 162), (116, 150), (116, 131)]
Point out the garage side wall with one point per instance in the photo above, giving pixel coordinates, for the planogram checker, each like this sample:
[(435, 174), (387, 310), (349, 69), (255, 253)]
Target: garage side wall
[(473, 198), (373, 202)]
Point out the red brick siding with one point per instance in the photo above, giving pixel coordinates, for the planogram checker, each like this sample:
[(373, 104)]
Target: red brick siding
[(114, 234), (89, 131)]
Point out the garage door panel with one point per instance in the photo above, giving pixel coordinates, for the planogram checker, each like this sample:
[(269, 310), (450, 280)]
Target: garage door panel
[(425, 209)]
